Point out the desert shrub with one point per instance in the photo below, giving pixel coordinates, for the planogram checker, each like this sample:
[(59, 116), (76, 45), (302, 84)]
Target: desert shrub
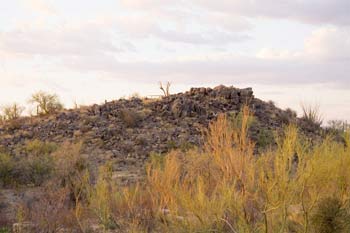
[(6, 169), (37, 169), (12, 112), (224, 187), (52, 212), (312, 115), (338, 126), (13, 125), (39, 148), (38, 166), (34, 168), (65, 192), (5, 230), (101, 199), (288, 116), (196, 189), (46, 103), (128, 209), (265, 138), (131, 118), (331, 216)]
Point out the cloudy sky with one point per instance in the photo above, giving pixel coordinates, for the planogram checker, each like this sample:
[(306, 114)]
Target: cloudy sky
[(290, 51)]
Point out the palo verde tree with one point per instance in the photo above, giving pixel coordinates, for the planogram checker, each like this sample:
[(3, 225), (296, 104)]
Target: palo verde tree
[(46, 103)]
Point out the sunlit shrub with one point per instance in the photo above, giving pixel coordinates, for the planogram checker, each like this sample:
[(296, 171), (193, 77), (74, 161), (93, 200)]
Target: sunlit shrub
[(40, 148), (46, 103)]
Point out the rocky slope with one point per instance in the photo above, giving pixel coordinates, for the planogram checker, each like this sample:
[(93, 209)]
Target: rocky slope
[(126, 131)]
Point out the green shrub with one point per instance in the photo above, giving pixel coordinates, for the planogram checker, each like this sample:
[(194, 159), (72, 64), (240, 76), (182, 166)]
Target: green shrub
[(40, 169), (6, 169), (331, 217), (33, 169), (265, 138), (4, 230), (40, 148)]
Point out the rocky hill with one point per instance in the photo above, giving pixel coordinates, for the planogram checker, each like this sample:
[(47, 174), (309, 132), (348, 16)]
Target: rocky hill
[(126, 131)]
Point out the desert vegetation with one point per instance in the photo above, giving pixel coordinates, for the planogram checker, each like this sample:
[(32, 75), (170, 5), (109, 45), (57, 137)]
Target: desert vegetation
[(223, 186), (45, 103)]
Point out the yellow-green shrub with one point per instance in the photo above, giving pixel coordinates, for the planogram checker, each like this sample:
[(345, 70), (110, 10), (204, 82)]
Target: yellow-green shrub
[(6, 169)]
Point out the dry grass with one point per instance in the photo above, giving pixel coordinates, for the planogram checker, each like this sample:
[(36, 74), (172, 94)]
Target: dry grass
[(222, 187)]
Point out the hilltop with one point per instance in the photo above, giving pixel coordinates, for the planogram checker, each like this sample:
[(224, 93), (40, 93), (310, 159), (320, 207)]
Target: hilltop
[(127, 131)]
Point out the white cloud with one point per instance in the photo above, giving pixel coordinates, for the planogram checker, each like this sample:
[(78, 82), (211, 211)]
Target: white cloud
[(284, 54), (330, 43), (67, 40), (308, 11), (40, 6)]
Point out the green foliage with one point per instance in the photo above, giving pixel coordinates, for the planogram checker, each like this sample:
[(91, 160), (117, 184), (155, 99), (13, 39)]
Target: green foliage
[(6, 168), (46, 103), (38, 169), (33, 169), (101, 199), (265, 138), (4, 230), (331, 217), (38, 148), (39, 164)]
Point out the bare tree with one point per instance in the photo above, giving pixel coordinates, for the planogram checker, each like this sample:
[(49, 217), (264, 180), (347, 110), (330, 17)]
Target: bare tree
[(165, 91), (46, 103)]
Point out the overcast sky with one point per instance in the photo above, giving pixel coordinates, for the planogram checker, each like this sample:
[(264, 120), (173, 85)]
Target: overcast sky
[(290, 51)]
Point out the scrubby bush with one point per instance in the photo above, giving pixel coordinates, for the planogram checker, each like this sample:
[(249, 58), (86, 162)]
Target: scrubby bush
[(39, 148), (265, 138), (12, 112), (6, 168), (38, 166), (331, 216), (312, 115), (46, 103), (130, 117), (34, 168), (338, 125)]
